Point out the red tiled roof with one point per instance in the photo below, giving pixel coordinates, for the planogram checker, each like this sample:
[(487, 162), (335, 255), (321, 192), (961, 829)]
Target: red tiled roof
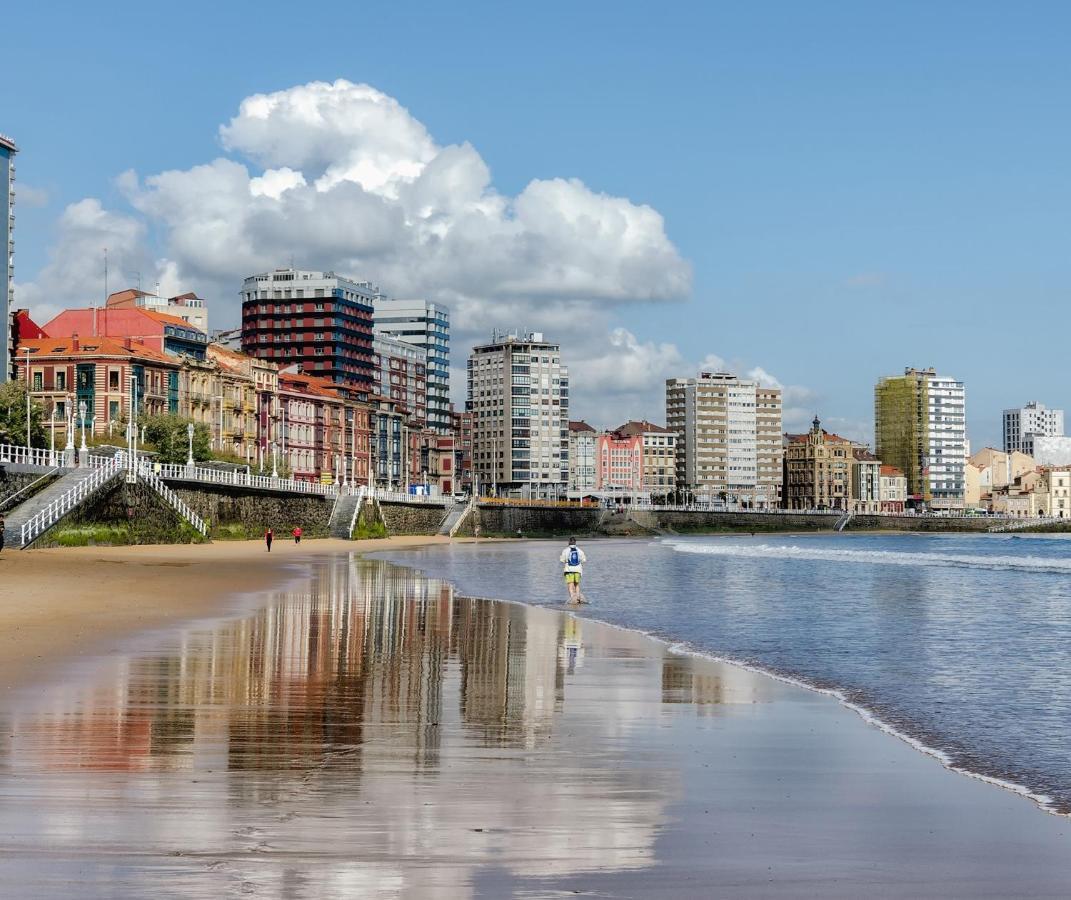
[(169, 319), (632, 428), (92, 346), (580, 426), (891, 470)]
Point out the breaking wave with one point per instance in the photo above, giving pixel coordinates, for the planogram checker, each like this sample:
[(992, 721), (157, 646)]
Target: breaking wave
[(1033, 564)]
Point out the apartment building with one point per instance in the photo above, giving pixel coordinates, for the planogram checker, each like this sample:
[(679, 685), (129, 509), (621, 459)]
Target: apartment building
[(817, 470), (317, 320), (581, 457), (920, 427), (401, 374), (658, 455), (728, 439), (518, 394), (7, 248), (892, 490), (188, 307), (461, 423), (424, 325), (1024, 425)]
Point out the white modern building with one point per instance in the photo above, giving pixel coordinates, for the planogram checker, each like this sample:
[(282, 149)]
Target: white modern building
[(1023, 425), (728, 439), (582, 439), (518, 394), (7, 243), (425, 325), (401, 374)]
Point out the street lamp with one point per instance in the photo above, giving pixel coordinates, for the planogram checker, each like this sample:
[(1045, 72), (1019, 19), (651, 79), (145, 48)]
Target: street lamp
[(82, 415), (189, 437), (52, 441), (27, 350), (274, 467)]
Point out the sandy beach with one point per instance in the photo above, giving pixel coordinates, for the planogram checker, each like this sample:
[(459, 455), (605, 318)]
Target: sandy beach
[(57, 605), (365, 731)]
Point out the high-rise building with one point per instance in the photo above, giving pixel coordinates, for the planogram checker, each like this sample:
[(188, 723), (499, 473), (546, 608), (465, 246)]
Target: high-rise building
[(518, 394), (318, 320), (728, 438), (425, 325), (1023, 425), (581, 457), (7, 243), (920, 427), (401, 375)]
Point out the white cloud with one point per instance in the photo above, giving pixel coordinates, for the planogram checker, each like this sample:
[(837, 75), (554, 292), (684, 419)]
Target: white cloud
[(74, 273), (341, 176)]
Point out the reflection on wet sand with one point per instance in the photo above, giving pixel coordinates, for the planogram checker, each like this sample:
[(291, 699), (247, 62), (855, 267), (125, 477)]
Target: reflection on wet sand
[(369, 732)]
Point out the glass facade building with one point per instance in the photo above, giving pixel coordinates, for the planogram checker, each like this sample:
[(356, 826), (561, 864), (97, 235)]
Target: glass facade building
[(425, 325)]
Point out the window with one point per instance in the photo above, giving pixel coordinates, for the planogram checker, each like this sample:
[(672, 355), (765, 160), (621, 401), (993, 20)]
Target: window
[(113, 379), (38, 381), (61, 381), (113, 410)]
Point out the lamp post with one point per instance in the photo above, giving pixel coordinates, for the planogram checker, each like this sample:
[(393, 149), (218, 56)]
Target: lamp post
[(27, 350), (83, 450), (52, 440), (274, 466), (189, 438)]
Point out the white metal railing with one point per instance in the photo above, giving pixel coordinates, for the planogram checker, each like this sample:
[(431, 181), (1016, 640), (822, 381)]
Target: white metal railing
[(32, 456), (177, 471), (65, 502), (361, 492), (155, 482), (402, 497)]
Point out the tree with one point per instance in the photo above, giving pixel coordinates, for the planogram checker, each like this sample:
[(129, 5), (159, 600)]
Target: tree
[(13, 416), (169, 438)]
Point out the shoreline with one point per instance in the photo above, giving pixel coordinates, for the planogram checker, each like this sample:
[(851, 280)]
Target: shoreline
[(870, 717)]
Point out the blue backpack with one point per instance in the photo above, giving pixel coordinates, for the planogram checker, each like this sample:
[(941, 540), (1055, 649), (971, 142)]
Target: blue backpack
[(574, 556)]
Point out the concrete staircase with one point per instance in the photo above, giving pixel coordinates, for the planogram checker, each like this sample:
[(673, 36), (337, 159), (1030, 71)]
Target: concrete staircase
[(454, 517), (44, 509), (344, 515)]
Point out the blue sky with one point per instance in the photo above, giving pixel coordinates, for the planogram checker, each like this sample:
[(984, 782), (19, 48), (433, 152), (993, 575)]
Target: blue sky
[(855, 187)]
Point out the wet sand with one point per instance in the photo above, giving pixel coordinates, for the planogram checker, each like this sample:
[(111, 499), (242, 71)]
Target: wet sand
[(60, 604), (367, 732)]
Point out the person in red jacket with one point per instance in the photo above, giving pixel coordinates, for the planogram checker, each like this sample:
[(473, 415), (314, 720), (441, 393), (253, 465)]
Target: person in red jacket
[(297, 534)]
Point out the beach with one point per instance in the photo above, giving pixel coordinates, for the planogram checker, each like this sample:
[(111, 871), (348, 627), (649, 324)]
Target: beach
[(356, 728), (61, 604)]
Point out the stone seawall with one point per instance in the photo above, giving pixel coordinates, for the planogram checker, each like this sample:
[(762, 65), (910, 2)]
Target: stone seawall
[(923, 523), (529, 521), (120, 513), (242, 512), (14, 479), (412, 518)]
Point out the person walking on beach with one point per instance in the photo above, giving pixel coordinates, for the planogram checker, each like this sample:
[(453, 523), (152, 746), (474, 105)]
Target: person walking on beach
[(572, 560), (268, 537), (297, 534)]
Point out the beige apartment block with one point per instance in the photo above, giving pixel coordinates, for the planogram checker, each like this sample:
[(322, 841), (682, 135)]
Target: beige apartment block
[(728, 432)]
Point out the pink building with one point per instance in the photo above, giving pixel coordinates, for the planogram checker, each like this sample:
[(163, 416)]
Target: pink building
[(618, 462)]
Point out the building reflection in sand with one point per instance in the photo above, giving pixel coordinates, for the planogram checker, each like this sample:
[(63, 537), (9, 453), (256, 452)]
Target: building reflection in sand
[(370, 731)]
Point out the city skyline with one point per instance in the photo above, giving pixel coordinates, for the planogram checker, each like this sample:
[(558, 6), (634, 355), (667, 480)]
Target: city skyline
[(848, 172)]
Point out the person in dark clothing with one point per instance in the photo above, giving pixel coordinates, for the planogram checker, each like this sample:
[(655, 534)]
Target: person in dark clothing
[(268, 537)]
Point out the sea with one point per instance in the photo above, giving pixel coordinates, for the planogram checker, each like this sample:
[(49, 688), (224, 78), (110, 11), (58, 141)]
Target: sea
[(958, 644)]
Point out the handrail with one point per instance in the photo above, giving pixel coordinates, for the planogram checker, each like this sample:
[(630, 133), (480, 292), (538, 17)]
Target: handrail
[(402, 497), (179, 472), (32, 456), (157, 484), (357, 509), (6, 502), (69, 499)]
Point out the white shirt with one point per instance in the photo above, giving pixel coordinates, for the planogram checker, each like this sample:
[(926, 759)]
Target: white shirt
[(565, 560)]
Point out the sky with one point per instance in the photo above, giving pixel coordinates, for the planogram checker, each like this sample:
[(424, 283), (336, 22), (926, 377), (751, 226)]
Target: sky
[(814, 194)]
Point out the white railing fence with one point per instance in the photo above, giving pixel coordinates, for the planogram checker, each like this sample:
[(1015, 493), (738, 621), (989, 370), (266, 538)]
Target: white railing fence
[(33, 456), (361, 496), (68, 500), (156, 483), (179, 472), (402, 497)]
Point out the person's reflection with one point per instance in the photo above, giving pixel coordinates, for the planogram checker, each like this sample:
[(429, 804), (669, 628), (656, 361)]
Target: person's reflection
[(571, 645)]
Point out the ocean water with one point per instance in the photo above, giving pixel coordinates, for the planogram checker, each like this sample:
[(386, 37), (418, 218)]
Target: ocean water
[(961, 643)]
